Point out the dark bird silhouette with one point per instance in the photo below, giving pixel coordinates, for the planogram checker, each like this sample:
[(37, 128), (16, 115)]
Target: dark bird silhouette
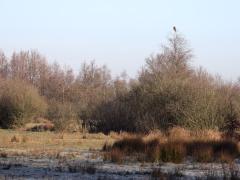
[(175, 29)]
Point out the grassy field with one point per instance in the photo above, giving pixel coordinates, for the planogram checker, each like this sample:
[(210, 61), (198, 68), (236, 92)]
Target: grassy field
[(172, 146), (15, 142), (70, 153)]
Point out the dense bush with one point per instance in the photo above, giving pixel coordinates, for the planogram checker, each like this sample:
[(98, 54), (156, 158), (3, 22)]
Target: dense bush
[(19, 103), (168, 92), (157, 150), (63, 115)]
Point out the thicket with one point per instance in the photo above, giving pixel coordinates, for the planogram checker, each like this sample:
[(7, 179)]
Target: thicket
[(157, 150), (19, 103), (168, 92)]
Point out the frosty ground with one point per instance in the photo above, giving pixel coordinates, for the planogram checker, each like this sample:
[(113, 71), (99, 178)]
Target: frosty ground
[(48, 155)]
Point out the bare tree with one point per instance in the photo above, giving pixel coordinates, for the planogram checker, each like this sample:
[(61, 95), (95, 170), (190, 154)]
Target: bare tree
[(3, 65)]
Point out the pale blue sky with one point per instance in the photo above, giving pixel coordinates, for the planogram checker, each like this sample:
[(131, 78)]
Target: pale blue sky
[(122, 33)]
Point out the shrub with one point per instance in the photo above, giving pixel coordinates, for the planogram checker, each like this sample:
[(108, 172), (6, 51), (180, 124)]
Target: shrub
[(25, 139), (155, 134), (176, 132), (213, 135), (19, 103), (3, 155), (203, 154), (130, 145), (232, 116), (173, 152), (208, 151), (153, 150), (106, 147), (15, 139), (227, 147), (116, 156), (63, 116), (226, 158)]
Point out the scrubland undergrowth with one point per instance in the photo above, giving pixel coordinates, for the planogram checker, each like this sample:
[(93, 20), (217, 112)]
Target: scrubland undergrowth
[(177, 145)]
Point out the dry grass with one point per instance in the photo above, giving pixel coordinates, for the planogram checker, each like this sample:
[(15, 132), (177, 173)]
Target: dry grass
[(207, 135), (120, 135), (175, 146), (3, 155), (177, 132), (15, 139), (130, 145), (18, 143), (115, 155), (202, 154), (39, 124), (114, 135), (156, 134), (172, 152)]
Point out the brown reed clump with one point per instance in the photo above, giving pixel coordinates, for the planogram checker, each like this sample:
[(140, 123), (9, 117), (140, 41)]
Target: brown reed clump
[(176, 147), (15, 139)]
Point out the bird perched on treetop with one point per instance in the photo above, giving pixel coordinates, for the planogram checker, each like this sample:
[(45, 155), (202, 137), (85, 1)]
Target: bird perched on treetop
[(175, 29)]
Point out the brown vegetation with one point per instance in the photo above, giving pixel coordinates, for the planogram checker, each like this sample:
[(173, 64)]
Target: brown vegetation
[(168, 92), (48, 144), (175, 149)]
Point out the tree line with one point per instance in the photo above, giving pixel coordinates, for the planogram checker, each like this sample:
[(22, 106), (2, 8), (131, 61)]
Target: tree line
[(168, 92), (57, 92)]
